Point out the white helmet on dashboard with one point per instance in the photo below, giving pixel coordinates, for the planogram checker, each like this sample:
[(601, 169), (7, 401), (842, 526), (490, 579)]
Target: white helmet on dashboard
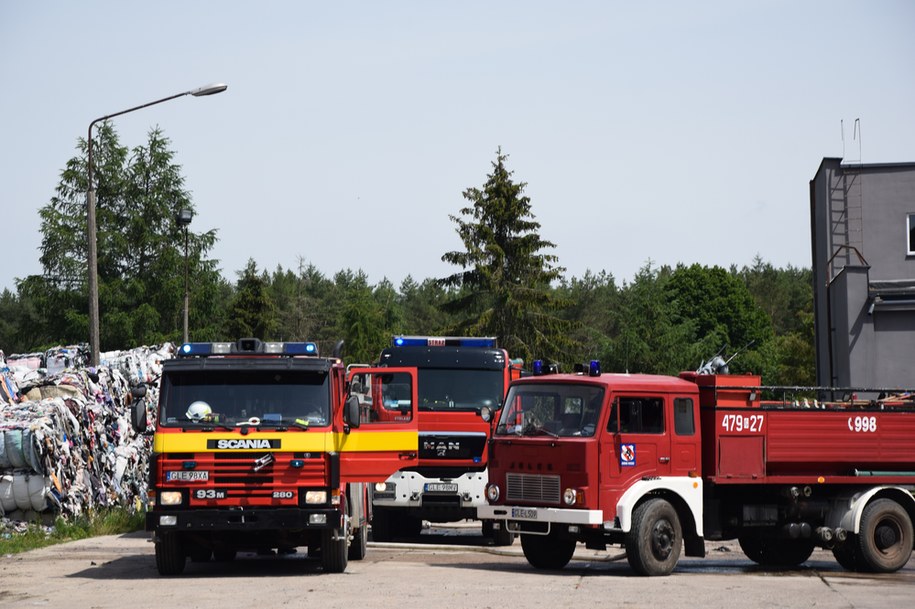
[(198, 411)]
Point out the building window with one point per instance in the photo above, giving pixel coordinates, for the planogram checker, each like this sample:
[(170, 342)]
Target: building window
[(911, 235)]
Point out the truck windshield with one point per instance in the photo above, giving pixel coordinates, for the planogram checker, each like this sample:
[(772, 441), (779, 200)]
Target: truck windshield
[(453, 389), (230, 397), (558, 410)]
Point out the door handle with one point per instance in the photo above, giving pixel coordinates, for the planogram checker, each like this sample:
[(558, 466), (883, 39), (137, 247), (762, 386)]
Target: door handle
[(664, 459)]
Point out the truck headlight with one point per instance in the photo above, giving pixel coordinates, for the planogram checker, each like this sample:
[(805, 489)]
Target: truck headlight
[(569, 496), (314, 497), (492, 493), (170, 498)]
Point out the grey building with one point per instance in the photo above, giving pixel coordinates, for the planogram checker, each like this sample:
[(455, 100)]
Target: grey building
[(862, 219)]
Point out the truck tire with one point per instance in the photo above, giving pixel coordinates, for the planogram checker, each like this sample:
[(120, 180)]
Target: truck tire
[(169, 554), (548, 552), (770, 551), (501, 536), (333, 551), (848, 555), (654, 542), (885, 538), (381, 525), (357, 547)]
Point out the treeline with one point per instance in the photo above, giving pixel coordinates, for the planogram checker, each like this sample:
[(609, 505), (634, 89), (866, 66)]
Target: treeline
[(506, 284), (662, 321)]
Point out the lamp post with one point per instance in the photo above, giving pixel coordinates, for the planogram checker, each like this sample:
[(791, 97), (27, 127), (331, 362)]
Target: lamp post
[(91, 228), (183, 219)]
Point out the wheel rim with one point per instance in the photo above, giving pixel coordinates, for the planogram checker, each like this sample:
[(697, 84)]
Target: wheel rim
[(662, 539), (887, 535)]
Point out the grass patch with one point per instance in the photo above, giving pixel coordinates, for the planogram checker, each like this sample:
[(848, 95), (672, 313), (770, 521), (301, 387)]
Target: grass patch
[(107, 522)]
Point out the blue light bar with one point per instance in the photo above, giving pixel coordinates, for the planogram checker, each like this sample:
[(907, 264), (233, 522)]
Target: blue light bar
[(300, 349), (488, 342), (196, 349), (594, 368)]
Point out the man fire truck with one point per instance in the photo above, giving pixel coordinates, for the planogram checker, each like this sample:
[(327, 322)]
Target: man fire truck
[(265, 446), (460, 382), (659, 464)]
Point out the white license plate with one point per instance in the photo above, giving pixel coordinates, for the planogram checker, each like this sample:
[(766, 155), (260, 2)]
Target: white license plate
[(527, 513), (441, 487), (187, 476)]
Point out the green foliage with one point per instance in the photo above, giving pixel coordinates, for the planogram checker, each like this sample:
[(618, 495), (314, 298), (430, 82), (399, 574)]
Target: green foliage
[(252, 313), (504, 288), (141, 260)]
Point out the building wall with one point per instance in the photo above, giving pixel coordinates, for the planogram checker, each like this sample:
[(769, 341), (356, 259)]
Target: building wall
[(864, 338)]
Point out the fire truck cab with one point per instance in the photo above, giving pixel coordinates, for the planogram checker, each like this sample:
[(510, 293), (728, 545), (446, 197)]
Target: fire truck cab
[(266, 446), (461, 382), (660, 464)]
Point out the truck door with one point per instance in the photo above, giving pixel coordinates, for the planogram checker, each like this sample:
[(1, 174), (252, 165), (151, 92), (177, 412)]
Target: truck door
[(383, 437), (636, 442)]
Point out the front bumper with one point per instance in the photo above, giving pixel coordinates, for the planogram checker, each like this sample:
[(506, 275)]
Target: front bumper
[(256, 519), (513, 513)]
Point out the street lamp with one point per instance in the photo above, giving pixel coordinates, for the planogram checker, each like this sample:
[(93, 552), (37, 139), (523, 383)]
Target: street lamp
[(90, 216), (184, 218)]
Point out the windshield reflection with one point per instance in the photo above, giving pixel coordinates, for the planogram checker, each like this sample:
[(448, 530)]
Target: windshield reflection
[(558, 410)]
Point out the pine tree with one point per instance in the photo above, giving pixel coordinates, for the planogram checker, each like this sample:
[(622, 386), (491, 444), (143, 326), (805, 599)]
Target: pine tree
[(504, 289)]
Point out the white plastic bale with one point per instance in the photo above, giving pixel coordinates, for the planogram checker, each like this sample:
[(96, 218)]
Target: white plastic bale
[(7, 501)]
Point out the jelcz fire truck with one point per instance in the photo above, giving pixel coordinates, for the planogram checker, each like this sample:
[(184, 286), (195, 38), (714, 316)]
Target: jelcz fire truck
[(660, 464), (266, 447), (461, 381)]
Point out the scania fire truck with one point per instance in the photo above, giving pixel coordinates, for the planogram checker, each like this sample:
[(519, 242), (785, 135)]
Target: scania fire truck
[(266, 447), (460, 382), (660, 464)]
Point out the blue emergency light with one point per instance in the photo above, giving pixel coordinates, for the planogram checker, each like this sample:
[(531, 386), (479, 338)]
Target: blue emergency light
[(488, 342), (537, 368), (594, 368), (252, 346)]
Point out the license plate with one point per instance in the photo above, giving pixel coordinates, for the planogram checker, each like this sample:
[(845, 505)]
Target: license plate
[(441, 487), (527, 513), (187, 476)]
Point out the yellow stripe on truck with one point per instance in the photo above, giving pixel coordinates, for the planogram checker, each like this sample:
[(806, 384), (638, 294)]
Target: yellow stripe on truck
[(376, 441), (311, 441)]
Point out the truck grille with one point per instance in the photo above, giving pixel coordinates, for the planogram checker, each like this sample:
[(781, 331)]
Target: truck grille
[(532, 487)]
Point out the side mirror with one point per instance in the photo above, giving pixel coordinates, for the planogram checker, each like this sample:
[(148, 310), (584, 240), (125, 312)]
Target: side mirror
[(351, 412)]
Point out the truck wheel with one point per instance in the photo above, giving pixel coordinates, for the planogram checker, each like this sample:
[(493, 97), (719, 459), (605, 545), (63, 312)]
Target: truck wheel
[(358, 543), (381, 525), (655, 540), (333, 551), (357, 547), (848, 555), (775, 552), (547, 551), (885, 539), (169, 554), (502, 536)]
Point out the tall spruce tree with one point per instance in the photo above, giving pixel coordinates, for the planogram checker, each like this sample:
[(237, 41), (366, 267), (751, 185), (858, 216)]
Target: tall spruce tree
[(504, 288), (140, 247)]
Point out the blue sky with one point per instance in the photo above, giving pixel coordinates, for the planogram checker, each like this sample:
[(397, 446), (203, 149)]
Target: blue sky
[(653, 131)]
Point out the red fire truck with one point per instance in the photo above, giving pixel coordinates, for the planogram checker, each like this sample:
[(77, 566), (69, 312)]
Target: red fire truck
[(461, 381), (266, 447), (660, 464)]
